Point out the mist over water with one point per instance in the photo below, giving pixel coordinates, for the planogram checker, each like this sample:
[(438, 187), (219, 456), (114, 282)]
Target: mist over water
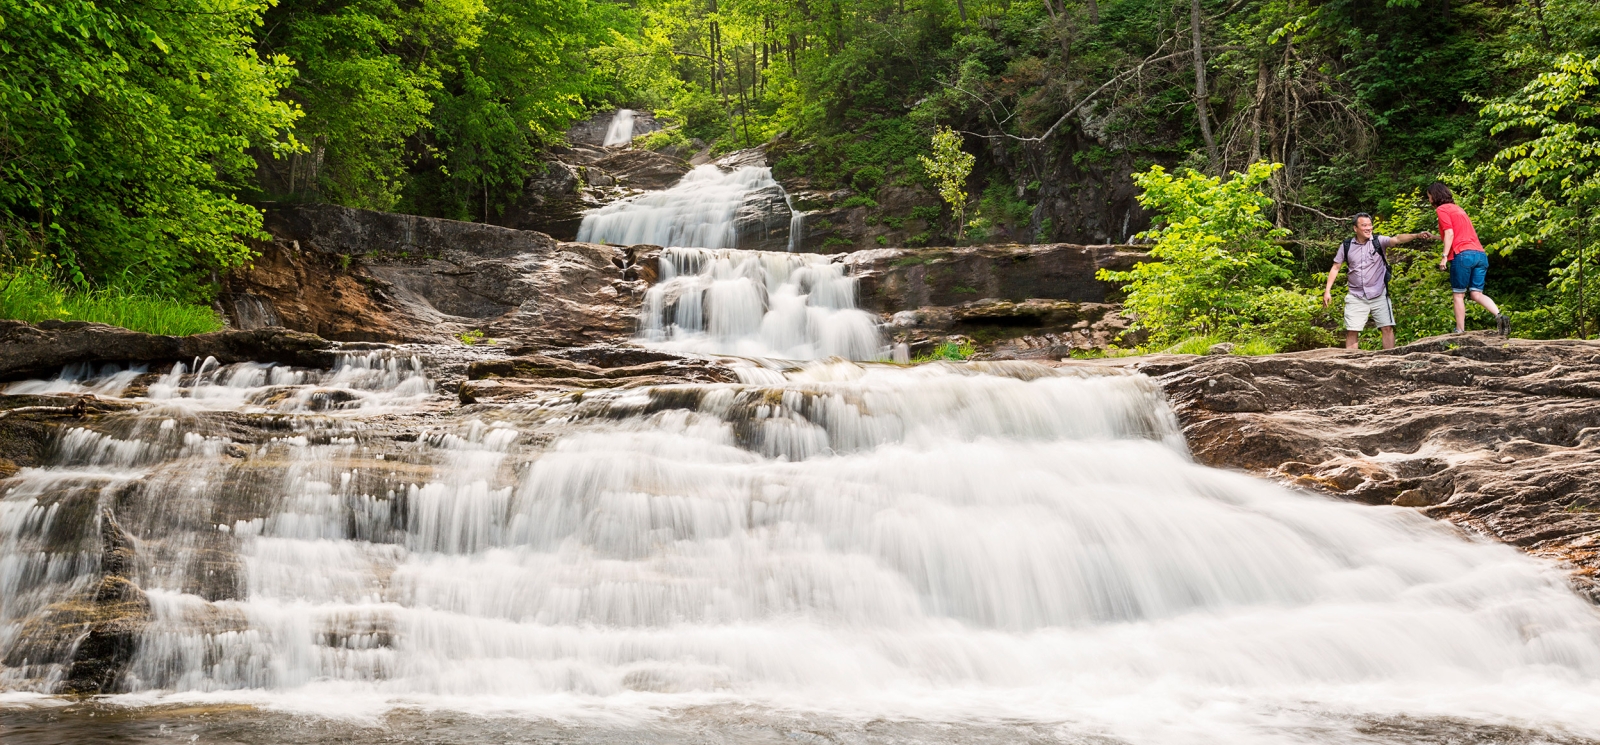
[(954, 551)]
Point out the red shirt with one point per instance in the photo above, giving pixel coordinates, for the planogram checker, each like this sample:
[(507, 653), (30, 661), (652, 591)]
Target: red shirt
[(1452, 217)]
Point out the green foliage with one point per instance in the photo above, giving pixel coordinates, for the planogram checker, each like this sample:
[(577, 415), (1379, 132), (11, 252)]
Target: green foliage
[(436, 107), (124, 131), (1215, 253), (948, 167), (1000, 215), (866, 179), (949, 351), (671, 137), (28, 293), (470, 337), (1249, 346)]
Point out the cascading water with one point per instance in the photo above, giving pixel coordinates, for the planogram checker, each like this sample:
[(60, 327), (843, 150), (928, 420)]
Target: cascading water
[(756, 303), (981, 553), (797, 225), (621, 130), (699, 211)]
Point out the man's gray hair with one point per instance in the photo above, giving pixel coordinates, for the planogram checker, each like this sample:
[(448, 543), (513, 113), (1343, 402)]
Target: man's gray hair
[(1360, 215)]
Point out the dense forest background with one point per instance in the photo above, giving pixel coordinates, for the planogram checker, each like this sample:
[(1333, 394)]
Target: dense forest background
[(139, 139)]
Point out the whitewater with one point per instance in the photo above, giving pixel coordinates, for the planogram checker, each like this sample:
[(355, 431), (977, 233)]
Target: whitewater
[(832, 549)]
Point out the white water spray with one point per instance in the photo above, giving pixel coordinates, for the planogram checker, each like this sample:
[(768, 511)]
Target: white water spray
[(699, 211), (945, 544), (797, 225), (621, 131), (757, 303)]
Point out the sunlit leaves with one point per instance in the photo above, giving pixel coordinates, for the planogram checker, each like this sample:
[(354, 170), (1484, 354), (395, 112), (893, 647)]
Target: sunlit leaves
[(1215, 250)]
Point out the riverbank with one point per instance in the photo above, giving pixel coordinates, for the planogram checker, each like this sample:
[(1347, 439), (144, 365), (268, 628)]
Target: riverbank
[(1498, 436)]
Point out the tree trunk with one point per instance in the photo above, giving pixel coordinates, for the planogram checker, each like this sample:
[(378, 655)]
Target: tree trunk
[(962, 8), (1094, 12), (744, 103), (1202, 103), (1261, 104)]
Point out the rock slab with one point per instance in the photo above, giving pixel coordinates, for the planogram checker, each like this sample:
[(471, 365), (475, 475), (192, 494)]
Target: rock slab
[(1499, 436), (42, 349)]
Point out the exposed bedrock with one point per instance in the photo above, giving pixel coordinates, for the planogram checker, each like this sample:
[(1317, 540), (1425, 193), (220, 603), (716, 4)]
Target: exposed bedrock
[(893, 279), (358, 275), (34, 350), (592, 131), (582, 177), (1499, 436)]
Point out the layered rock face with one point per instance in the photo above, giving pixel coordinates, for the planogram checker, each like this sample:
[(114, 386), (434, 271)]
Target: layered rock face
[(349, 274), (592, 131), (582, 177), (42, 349), (1499, 436), (901, 278), (354, 275)]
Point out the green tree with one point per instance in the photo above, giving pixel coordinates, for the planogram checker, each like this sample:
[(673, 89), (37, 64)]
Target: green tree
[(1216, 257), (125, 132), (1551, 177), (948, 168)]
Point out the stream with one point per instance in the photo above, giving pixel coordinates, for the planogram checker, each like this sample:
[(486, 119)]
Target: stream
[(831, 550)]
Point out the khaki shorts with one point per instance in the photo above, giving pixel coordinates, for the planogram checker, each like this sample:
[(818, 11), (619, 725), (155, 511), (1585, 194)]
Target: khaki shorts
[(1356, 311)]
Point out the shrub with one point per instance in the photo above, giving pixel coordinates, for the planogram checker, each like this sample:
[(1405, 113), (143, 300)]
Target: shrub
[(867, 179), (1216, 254), (662, 139)]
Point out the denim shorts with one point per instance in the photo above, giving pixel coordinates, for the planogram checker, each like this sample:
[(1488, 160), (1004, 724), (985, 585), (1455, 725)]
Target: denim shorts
[(1468, 271)]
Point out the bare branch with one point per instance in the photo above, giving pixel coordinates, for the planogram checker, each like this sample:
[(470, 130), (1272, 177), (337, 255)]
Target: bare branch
[(1136, 69), (1320, 213)]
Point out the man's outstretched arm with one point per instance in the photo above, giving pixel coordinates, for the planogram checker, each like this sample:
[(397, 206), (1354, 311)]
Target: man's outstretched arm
[(1409, 237)]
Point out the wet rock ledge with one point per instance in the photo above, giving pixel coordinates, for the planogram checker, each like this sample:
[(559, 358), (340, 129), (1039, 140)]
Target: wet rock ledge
[(40, 350), (1499, 436)]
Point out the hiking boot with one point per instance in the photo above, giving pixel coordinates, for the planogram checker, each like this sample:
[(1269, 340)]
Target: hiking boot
[(1503, 324)]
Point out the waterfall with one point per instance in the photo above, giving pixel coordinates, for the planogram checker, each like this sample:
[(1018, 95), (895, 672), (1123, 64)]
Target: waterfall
[(797, 226), (756, 303), (621, 131), (701, 210), (962, 550)]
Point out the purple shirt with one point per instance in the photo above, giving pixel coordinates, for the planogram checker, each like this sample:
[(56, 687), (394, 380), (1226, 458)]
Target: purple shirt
[(1366, 268)]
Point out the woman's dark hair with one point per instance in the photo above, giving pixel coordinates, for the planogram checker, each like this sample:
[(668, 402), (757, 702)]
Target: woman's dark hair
[(1439, 194)]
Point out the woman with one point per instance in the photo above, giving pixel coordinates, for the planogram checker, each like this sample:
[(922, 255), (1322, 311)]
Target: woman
[(1465, 257)]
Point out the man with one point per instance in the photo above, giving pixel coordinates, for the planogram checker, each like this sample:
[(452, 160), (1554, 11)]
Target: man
[(1368, 295)]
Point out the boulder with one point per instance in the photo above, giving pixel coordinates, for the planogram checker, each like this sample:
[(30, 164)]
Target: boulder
[(373, 276)]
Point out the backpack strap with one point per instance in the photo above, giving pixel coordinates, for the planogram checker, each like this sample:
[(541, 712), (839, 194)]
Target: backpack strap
[(1377, 246)]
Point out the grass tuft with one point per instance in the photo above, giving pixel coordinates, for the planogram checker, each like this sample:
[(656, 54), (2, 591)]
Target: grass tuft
[(1250, 347), (950, 351), (30, 294)]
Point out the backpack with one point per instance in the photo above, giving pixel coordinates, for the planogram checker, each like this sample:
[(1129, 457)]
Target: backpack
[(1377, 245)]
